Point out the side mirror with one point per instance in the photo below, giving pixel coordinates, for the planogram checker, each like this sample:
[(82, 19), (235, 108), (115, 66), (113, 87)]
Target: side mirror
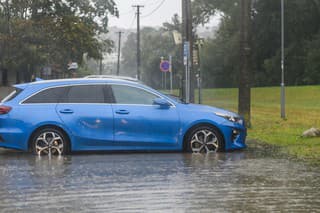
[(163, 103)]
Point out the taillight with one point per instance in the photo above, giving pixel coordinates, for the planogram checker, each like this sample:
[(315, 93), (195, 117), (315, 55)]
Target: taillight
[(4, 110)]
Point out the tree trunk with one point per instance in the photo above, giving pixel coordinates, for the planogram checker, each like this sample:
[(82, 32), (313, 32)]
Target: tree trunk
[(245, 54)]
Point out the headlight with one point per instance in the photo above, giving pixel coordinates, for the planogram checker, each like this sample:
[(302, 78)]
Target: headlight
[(230, 118)]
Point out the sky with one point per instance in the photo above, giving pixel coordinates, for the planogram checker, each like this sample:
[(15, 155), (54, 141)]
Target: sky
[(154, 12)]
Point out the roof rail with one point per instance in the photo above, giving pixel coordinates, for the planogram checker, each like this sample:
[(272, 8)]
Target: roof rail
[(113, 77)]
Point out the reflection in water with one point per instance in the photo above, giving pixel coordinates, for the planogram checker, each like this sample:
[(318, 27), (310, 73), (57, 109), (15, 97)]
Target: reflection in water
[(249, 180)]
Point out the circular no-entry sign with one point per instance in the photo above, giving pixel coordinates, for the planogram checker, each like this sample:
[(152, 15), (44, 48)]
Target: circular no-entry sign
[(165, 66)]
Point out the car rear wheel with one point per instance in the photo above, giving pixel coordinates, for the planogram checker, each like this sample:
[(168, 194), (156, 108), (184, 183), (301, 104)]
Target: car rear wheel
[(204, 139), (50, 141)]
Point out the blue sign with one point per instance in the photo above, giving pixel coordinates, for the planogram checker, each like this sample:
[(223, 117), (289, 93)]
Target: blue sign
[(165, 66), (186, 49), (186, 52)]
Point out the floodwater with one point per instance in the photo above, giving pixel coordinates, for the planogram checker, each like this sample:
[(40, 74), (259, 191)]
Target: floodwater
[(252, 180)]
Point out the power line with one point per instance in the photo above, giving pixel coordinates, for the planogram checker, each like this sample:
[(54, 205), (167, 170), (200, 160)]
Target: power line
[(134, 18), (131, 11), (153, 11), (126, 13), (146, 1), (135, 15), (153, 3)]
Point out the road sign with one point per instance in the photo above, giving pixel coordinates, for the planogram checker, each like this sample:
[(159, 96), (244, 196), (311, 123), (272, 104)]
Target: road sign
[(73, 66), (186, 48), (177, 37), (195, 57), (164, 66)]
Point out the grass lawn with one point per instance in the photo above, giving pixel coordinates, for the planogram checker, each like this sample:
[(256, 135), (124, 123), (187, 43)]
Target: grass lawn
[(302, 111)]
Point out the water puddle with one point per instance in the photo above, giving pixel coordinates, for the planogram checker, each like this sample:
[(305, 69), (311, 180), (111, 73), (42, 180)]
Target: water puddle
[(255, 179)]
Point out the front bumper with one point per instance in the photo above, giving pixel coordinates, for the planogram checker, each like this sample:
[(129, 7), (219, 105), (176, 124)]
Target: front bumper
[(234, 136)]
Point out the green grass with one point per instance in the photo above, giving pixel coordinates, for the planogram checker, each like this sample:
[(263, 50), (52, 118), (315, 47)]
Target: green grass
[(302, 112)]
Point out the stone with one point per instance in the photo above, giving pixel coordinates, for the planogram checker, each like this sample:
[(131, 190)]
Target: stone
[(313, 132)]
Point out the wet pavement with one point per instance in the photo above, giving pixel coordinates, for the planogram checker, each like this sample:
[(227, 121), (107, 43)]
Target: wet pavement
[(252, 180)]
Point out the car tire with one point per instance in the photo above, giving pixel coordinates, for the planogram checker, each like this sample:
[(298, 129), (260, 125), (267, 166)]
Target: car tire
[(204, 139), (50, 141)]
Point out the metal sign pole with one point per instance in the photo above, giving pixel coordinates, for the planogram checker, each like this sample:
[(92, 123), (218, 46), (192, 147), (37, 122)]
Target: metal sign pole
[(283, 101), (165, 80), (170, 70), (162, 81), (187, 70)]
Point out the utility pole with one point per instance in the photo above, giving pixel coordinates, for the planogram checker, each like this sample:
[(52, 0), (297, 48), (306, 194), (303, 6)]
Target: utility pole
[(138, 41), (187, 30), (244, 100), (192, 76), (119, 52), (199, 43), (6, 46)]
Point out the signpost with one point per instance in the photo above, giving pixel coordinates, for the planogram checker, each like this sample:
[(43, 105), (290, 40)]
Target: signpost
[(186, 62), (165, 67), (170, 70)]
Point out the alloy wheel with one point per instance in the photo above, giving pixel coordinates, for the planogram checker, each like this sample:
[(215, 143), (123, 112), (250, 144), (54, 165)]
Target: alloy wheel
[(49, 143), (204, 141)]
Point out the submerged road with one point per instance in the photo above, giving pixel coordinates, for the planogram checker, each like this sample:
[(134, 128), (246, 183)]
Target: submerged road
[(247, 181)]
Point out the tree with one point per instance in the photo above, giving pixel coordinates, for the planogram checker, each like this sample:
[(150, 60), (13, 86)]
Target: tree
[(238, 37), (312, 74), (155, 43), (299, 31), (203, 10), (221, 58), (128, 53), (44, 32)]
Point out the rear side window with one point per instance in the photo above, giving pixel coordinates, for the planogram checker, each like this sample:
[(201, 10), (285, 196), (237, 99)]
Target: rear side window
[(51, 95), (87, 94), (12, 95)]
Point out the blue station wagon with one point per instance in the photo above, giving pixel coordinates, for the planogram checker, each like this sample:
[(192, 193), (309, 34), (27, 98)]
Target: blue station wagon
[(60, 116)]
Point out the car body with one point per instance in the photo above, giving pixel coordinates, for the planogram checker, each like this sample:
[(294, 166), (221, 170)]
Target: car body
[(59, 116)]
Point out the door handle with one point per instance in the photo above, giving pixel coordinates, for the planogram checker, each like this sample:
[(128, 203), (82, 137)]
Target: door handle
[(122, 112), (66, 111)]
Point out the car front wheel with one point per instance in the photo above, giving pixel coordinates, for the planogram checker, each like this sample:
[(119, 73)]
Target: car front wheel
[(49, 141), (204, 139)]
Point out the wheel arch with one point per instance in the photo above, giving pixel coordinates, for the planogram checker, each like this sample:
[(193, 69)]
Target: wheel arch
[(190, 129), (49, 126)]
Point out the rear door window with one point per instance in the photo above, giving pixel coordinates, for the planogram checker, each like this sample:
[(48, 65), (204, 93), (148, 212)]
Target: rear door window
[(88, 94)]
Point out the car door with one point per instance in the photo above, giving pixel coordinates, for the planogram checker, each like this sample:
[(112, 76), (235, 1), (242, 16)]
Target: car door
[(87, 113), (138, 124)]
